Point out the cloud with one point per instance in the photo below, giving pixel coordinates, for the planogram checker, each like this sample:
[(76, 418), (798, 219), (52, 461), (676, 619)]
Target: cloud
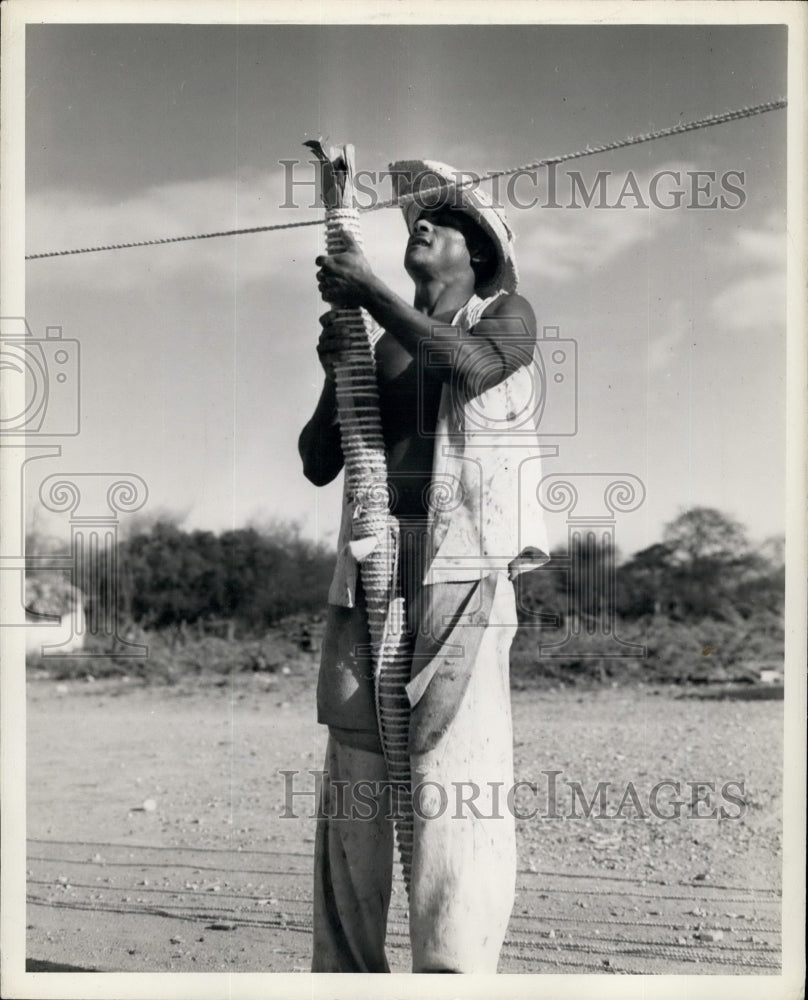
[(58, 220), (755, 300), (561, 244), (753, 304), (665, 349), (283, 260)]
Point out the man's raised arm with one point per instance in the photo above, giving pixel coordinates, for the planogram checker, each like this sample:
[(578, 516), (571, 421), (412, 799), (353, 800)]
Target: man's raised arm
[(319, 443), (475, 360)]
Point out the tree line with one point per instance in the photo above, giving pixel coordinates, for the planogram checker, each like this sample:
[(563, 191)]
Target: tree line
[(703, 604), (703, 568), (250, 576)]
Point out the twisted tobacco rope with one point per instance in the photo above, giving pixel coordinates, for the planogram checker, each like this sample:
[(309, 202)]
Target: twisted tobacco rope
[(679, 128), (375, 535)]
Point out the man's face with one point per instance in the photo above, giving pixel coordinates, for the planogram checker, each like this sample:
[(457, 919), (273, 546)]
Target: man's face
[(438, 244)]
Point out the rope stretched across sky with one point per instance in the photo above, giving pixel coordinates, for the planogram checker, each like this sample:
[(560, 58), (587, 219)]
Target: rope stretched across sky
[(634, 140)]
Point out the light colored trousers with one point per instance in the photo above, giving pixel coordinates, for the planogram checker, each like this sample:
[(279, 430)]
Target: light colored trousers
[(464, 850)]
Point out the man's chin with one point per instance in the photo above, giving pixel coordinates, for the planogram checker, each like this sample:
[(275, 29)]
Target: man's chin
[(415, 267), (415, 251)]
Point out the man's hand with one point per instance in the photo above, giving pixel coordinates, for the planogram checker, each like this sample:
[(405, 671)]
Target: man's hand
[(331, 343), (343, 279)]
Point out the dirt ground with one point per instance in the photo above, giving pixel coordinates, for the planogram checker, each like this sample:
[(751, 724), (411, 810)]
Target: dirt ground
[(156, 841)]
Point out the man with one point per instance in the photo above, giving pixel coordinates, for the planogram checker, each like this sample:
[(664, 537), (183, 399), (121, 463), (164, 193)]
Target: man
[(457, 394)]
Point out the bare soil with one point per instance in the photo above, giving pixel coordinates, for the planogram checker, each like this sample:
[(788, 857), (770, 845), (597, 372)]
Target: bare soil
[(156, 841)]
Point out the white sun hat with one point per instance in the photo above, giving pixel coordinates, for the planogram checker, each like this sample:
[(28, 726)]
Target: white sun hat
[(432, 185)]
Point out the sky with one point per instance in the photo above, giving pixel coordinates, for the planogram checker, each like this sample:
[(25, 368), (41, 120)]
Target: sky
[(198, 362)]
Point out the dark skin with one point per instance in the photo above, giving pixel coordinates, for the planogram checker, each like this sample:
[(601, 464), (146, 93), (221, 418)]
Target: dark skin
[(440, 258)]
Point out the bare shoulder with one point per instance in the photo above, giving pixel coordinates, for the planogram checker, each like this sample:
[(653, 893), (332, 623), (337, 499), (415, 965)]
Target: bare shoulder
[(513, 308)]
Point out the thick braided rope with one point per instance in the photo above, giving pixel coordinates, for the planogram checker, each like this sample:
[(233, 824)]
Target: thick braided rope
[(362, 439), (606, 147), (632, 140), (366, 479), (393, 710)]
